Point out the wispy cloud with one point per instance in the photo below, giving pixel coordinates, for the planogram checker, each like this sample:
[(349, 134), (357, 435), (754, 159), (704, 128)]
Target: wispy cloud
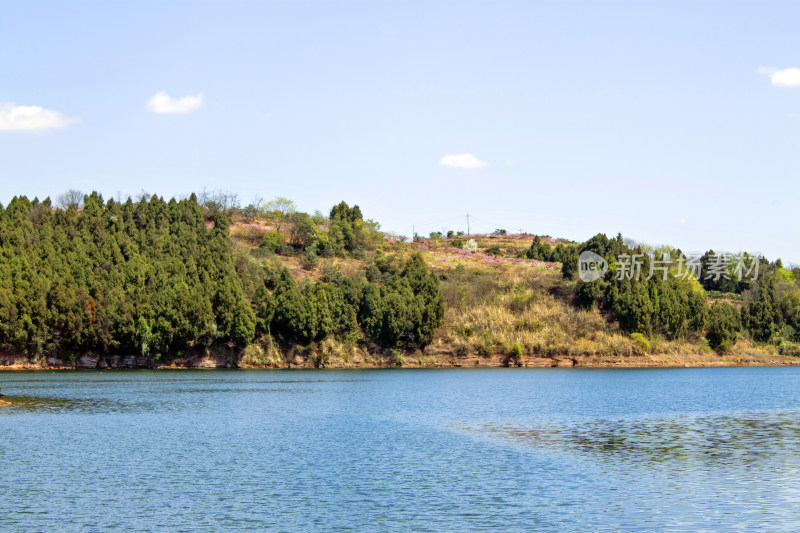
[(788, 77), (164, 103), (31, 118), (462, 161)]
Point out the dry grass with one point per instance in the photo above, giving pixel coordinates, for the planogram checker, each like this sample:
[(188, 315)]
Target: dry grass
[(249, 234), (508, 308), (521, 311), (263, 353)]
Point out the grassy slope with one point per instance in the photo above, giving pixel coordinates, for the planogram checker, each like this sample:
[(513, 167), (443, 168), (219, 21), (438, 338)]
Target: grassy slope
[(500, 311)]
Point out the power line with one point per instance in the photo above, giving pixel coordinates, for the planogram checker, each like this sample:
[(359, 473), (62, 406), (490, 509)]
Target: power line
[(480, 220), (470, 220), (439, 221)]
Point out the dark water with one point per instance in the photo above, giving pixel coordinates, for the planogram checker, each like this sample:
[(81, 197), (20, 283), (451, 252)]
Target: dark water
[(436, 450)]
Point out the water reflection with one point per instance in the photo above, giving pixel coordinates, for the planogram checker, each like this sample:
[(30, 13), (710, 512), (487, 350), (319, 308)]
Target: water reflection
[(142, 391), (47, 405), (742, 437), (387, 451)]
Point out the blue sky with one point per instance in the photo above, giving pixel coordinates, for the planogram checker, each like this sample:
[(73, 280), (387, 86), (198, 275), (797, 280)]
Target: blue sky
[(671, 122)]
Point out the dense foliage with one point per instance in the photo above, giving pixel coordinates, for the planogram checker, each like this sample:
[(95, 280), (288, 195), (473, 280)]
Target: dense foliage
[(393, 304), (677, 306), (157, 278), (723, 326), (146, 277)]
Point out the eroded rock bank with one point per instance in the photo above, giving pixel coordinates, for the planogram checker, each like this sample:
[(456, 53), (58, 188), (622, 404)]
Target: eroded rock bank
[(232, 359)]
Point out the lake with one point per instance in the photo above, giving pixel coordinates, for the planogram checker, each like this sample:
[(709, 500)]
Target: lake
[(395, 450)]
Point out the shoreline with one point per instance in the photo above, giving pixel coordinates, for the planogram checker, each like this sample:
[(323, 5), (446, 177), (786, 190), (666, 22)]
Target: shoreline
[(211, 362)]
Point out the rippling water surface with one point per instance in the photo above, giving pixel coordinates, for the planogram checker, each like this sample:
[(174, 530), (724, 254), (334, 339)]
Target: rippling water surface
[(386, 450)]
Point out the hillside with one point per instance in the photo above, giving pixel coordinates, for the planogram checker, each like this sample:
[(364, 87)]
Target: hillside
[(198, 283), (507, 310)]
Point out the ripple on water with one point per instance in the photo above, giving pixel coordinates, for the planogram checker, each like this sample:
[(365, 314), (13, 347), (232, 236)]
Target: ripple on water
[(746, 437), (397, 451)]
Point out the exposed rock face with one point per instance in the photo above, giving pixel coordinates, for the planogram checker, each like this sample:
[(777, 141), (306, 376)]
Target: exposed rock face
[(230, 358), (207, 362), (134, 361), (88, 360)]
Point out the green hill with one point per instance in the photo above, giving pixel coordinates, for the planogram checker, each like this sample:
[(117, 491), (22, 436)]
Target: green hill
[(200, 283)]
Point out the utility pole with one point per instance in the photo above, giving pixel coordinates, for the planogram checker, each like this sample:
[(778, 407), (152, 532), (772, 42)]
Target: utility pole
[(413, 233), (467, 223)]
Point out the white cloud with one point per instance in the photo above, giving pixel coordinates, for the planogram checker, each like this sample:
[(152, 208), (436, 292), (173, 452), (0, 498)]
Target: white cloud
[(682, 221), (30, 118), (789, 77), (164, 103), (462, 161), (389, 30)]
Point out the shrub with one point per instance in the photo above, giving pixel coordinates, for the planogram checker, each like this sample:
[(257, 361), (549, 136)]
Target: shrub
[(471, 245), (373, 274), (310, 259), (723, 327), (461, 349), (516, 349), (263, 352), (724, 347), (272, 242), (493, 250), (643, 343), (789, 348)]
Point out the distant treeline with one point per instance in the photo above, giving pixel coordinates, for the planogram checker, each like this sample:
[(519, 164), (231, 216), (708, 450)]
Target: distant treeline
[(158, 277)]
